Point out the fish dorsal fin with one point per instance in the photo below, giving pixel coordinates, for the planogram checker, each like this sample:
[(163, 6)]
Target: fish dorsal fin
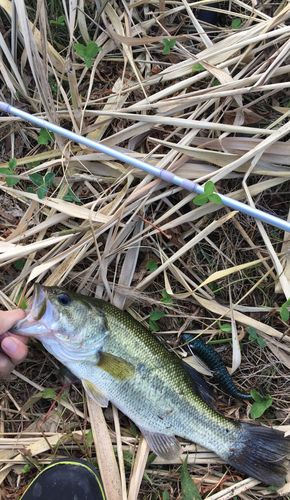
[(95, 393), (201, 387), (118, 368), (166, 447)]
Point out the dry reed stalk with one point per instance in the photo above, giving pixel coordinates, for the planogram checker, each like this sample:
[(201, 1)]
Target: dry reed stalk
[(168, 111)]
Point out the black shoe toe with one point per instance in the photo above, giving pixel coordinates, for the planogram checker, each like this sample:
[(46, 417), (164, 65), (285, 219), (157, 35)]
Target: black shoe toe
[(66, 479)]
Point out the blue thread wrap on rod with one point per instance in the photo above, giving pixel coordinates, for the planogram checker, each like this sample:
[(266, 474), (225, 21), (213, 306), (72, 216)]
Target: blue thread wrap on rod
[(150, 169)]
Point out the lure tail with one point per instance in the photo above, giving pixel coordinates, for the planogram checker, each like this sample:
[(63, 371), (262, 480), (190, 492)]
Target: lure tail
[(209, 356), (264, 455)]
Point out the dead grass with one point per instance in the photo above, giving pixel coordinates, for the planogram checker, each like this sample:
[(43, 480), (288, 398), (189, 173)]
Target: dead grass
[(223, 121)]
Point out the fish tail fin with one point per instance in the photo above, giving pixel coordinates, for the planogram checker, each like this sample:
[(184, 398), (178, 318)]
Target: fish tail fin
[(264, 454)]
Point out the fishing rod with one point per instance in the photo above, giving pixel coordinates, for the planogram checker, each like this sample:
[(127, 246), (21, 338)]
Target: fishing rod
[(165, 175)]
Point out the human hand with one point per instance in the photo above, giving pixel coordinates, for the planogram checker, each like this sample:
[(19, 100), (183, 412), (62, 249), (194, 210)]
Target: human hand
[(13, 349)]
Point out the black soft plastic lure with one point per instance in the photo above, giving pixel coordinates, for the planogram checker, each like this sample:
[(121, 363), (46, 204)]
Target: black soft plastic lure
[(211, 358)]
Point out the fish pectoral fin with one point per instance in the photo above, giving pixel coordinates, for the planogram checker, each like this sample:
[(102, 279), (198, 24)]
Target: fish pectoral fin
[(118, 368), (202, 388), (95, 393), (166, 447)]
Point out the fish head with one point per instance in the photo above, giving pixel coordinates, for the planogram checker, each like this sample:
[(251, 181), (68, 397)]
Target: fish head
[(56, 316)]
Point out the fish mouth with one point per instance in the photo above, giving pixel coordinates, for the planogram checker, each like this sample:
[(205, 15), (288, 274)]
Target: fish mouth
[(35, 322), (37, 304)]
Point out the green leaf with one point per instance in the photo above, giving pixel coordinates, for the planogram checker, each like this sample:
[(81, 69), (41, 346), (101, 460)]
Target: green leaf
[(208, 188), (165, 495), (165, 295), (200, 199), (49, 178), (198, 67), (127, 457), (45, 136), (61, 18), (49, 394), (151, 265), (33, 164), (252, 333), (92, 49), (11, 181), (213, 286), (171, 43), (75, 198), (168, 44), (53, 87), (36, 179), (42, 140), (156, 315), (23, 305), (236, 24), (258, 409), (80, 49), (5, 170), (133, 429), (261, 404), (30, 189), (153, 325), (251, 330), (256, 396), (87, 52), (226, 327), (90, 438), (41, 192), (71, 196), (25, 469), (47, 133), (253, 336), (215, 198), (60, 21), (150, 459), (284, 313), (166, 298), (18, 264), (12, 164), (261, 342), (188, 488), (88, 61)]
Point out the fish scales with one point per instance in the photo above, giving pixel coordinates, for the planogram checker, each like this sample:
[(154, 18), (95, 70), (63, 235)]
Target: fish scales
[(154, 397), (119, 360)]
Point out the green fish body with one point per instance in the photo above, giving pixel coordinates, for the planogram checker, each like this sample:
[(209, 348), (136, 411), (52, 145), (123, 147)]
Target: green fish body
[(120, 361)]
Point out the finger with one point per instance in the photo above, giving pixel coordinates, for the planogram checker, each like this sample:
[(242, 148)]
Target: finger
[(22, 338), (9, 318), (15, 349), (6, 365)]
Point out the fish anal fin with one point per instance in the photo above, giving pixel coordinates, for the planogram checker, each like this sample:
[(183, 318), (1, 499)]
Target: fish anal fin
[(95, 393), (118, 368), (166, 447)]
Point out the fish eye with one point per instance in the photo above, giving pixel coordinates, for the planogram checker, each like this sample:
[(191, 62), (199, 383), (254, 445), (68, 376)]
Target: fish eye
[(63, 299)]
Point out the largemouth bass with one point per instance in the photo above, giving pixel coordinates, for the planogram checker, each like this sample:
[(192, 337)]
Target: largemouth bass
[(119, 360)]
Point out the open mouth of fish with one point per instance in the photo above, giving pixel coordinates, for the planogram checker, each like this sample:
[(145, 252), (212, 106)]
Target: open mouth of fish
[(39, 315)]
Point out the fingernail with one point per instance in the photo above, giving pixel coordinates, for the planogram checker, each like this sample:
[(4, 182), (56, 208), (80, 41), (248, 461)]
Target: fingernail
[(9, 345)]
